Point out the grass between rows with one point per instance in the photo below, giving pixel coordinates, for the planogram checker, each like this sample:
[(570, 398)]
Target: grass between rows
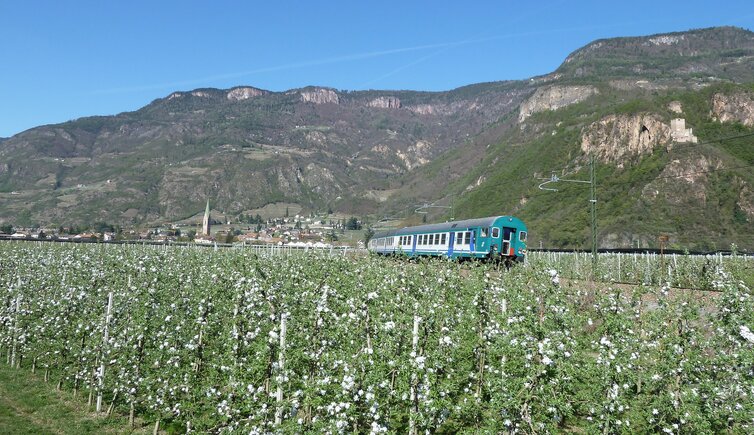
[(28, 405)]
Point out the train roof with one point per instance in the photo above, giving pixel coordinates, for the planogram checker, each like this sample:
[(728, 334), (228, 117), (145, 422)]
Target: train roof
[(448, 226)]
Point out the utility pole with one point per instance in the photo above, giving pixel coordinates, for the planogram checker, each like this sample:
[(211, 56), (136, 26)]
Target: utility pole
[(593, 202)]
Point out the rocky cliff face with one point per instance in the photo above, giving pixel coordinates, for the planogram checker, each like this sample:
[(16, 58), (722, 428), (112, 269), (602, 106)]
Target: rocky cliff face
[(738, 107), (416, 155), (320, 96), (618, 138), (385, 103), (554, 98), (243, 93), (691, 172)]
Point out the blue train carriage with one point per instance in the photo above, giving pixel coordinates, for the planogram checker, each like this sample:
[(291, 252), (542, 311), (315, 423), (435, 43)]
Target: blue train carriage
[(496, 237)]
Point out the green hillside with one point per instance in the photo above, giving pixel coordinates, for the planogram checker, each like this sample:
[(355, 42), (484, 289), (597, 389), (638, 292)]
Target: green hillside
[(514, 166)]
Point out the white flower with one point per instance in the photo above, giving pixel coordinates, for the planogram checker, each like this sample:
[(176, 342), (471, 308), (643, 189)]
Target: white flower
[(746, 333), (546, 360), (420, 361), (389, 325)]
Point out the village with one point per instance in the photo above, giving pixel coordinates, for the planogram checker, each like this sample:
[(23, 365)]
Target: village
[(296, 231)]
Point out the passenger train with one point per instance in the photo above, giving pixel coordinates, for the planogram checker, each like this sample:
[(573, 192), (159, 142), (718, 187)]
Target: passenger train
[(497, 238)]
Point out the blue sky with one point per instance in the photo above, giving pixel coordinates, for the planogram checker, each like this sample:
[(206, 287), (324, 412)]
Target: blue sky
[(60, 60)]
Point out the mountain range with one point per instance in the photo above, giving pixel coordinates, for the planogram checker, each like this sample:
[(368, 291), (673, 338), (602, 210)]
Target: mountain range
[(651, 111)]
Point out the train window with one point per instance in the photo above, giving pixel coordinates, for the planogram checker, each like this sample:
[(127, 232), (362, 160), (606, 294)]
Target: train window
[(468, 238), (495, 233), (522, 236), (442, 239), (459, 238), (485, 232)]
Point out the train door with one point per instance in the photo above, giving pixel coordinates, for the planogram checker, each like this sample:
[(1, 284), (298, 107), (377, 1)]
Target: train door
[(508, 234), (495, 242), (413, 244), (451, 238)]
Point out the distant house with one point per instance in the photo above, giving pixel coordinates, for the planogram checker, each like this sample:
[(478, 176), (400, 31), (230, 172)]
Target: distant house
[(108, 237), (204, 240), (85, 236), (248, 237)]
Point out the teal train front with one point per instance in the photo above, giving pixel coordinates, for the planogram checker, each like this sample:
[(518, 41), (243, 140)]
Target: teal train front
[(496, 238)]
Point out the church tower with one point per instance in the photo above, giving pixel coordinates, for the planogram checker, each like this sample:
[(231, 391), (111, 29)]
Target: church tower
[(205, 222)]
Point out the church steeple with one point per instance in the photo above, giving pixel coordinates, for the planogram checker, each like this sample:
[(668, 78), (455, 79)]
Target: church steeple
[(205, 222)]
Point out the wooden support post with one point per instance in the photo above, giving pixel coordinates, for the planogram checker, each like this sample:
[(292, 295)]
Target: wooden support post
[(281, 371), (105, 339), (414, 379)]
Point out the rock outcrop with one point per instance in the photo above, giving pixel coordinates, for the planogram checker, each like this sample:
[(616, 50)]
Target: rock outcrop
[(244, 93), (416, 155), (617, 138), (554, 98), (443, 109), (320, 96), (423, 109), (385, 103), (733, 108), (690, 175), (746, 202)]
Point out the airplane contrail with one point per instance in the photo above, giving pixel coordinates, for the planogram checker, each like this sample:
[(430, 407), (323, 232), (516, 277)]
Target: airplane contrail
[(288, 66), (440, 48)]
